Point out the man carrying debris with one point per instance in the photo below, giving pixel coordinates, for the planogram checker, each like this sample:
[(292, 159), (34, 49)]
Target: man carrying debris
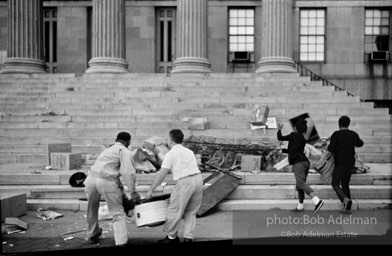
[(300, 163), (103, 179), (186, 197), (342, 146)]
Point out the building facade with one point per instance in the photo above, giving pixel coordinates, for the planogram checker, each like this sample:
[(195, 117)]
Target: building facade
[(347, 42)]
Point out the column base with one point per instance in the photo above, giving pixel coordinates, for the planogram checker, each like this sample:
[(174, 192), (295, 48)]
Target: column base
[(276, 65), (191, 65), (107, 65), (23, 66)]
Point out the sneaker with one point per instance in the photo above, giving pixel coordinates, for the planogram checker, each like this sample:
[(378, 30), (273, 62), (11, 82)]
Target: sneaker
[(348, 205), (318, 207), (95, 239), (167, 240), (187, 240), (296, 210)]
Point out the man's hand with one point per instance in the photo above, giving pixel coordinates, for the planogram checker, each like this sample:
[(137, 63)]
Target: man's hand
[(280, 126)]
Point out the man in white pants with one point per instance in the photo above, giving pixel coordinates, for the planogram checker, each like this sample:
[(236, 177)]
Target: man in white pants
[(103, 179), (186, 197)]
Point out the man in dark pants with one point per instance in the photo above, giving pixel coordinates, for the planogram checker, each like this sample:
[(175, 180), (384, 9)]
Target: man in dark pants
[(342, 146), (300, 164)]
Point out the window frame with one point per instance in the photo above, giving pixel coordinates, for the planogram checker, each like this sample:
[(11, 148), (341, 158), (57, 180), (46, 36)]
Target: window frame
[(324, 61)]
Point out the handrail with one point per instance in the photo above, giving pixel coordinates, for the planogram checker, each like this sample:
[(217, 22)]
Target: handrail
[(303, 71)]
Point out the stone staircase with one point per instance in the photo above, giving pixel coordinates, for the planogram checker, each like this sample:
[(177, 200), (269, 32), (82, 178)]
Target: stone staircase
[(88, 111)]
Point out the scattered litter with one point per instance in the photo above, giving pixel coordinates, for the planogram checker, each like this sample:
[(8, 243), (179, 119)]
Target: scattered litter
[(4, 242), (11, 245), (163, 184), (85, 216), (68, 238), (57, 245), (47, 215), (17, 222), (48, 167), (73, 232), (35, 172), (45, 121), (23, 232), (105, 232)]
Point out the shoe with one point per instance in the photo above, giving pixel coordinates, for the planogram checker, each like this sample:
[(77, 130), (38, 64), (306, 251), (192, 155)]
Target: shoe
[(348, 205), (187, 240), (167, 240), (95, 239), (318, 207), (296, 210)]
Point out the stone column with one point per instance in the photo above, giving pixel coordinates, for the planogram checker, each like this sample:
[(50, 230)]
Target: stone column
[(277, 49), (192, 31), (108, 46), (25, 38)]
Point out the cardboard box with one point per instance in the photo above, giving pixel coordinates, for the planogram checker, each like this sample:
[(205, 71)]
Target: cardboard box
[(197, 123), (13, 205), (58, 148), (66, 161), (151, 142), (16, 221), (260, 115), (311, 133), (250, 163)]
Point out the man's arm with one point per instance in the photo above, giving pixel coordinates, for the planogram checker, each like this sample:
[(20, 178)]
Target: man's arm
[(158, 180), (332, 144), (359, 142), (127, 170), (281, 137)]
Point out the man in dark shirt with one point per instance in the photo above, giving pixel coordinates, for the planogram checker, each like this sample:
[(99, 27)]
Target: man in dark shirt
[(300, 164), (342, 146)]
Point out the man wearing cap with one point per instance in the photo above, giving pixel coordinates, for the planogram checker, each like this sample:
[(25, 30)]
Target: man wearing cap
[(186, 197), (104, 179)]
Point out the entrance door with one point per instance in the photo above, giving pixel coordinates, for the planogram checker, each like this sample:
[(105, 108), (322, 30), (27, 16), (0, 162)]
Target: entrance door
[(166, 35), (50, 39)]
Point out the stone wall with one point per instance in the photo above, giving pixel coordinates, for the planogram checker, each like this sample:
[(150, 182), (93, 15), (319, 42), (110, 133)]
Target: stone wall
[(3, 33)]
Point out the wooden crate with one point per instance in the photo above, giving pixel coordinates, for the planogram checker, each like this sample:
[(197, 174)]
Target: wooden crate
[(66, 161), (58, 148), (216, 188)]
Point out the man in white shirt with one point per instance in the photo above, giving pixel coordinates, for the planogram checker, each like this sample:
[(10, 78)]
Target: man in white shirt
[(104, 179), (186, 197)]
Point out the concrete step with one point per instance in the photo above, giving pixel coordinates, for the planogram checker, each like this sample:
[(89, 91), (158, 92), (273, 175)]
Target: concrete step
[(42, 149), (330, 204)]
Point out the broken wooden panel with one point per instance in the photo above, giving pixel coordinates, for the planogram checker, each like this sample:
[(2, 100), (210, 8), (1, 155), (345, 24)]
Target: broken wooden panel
[(13, 205)]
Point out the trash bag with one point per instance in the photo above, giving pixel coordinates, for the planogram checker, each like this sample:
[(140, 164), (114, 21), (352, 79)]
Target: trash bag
[(325, 167)]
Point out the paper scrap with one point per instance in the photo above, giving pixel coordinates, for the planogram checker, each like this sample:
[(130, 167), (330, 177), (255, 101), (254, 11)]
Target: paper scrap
[(47, 215)]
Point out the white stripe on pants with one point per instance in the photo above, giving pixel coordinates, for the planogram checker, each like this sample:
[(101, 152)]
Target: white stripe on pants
[(95, 187), (185, 201)]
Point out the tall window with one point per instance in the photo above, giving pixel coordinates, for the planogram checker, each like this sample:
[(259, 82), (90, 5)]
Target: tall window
[(377, 30), (50, 39), (312, 35), (242, 30)]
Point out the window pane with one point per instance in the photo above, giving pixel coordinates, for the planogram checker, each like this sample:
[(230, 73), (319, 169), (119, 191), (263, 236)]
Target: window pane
[(304, 22), (385, 31), (304, 31), (233, 22), (312, 14), (234, 39), (376, 31), (368, 47), (312, 39), (312, 22), (241, 39), (241, 21), (377, 13), (304, 48), (304, 56), (242, 13), (320, 14), (233, 30), (241, 47), (369, 22), (250, 13), (320, 48), (233, 13), (320, 40), (320, 22), (250, 47), (250, 39), (320, 31), (304, 14), (312, 56), (385, 14), (369, 13), (304, 40), (320, 56), (249, 21), (385, 21), (241, 30), (312, 30), (312, 48), (368, 31), (233, 48), (377, 22), (250, 31)]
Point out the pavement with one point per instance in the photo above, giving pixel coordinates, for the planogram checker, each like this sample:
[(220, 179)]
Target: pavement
[(218, 226)]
